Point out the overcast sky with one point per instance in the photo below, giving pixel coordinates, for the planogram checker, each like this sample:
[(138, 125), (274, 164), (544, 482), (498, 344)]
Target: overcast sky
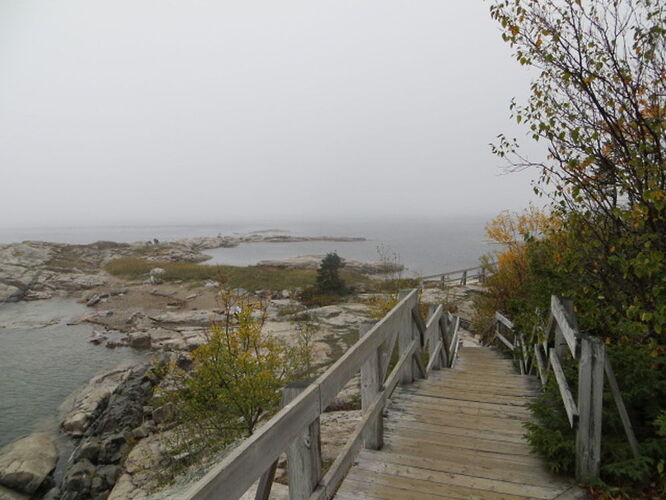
[(153, 111)]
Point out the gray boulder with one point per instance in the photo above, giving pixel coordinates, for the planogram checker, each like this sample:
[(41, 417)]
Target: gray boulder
[(26, 463), (7, 494)]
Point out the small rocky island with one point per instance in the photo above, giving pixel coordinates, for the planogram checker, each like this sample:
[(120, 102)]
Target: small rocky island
[(111, 433)]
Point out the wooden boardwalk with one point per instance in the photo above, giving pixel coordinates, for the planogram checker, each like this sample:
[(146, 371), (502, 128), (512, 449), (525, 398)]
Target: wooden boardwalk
[(458, 434)]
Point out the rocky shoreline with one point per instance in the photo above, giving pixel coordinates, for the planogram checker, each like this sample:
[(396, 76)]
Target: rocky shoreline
[(114, 427), (33, 270)]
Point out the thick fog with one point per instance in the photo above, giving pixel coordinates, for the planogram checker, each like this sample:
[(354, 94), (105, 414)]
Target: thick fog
[(153, 111)]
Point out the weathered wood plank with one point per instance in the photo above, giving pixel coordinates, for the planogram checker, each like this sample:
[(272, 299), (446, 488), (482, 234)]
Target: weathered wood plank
[(452, 439), (435, 358), (480, 422), (303, 453), (471, 458), (405, 337), (440, 431), (364, 489), (425, 487), (482, 389), (483, 470), (371, 384), (463, 407), (563, 386), (454, 479), (560, 315), (452, 403), (504, 320), (590, 401)]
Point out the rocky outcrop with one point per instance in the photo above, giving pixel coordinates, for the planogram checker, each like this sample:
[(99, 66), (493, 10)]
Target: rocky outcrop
[(186, 318), (34, 270), (340, 315), (26, 464), (91, 400), (95, 464)]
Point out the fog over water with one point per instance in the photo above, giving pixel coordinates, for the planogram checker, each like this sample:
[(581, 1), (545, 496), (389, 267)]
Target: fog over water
[(165, 112)]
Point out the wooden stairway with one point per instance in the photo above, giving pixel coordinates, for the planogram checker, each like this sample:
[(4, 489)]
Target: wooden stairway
[(458, 435)]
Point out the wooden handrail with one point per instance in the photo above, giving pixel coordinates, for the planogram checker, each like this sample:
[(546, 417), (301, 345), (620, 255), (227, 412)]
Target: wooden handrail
[(255, 457), (561, 334)]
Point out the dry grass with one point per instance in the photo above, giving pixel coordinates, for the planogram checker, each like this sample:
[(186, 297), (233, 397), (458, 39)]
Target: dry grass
[(250, 278)]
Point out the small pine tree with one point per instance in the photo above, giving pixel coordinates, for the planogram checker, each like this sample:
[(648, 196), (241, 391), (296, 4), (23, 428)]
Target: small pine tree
[(328, 277)]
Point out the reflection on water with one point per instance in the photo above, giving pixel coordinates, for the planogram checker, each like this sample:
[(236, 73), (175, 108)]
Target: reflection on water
[(42, 361)]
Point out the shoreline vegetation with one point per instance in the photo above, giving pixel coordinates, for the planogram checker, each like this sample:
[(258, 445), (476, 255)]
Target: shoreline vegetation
[(251, 278)]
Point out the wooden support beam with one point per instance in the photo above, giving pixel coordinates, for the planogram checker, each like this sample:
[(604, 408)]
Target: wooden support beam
[(543, 374), (455, 340), (590, 400), (420, 324), (304, 452), (266, 483), (371, 385), (504, 340), (622, 410), (526, 364), (435, 357), (565, 392)]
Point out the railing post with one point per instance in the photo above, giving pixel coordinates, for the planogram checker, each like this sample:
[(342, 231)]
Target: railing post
[(304, 453), (371, 384), (590, 400), (463, 280), (405, 336)]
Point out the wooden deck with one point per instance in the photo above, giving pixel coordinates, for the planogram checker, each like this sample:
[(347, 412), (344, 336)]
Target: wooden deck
[(458, 435)]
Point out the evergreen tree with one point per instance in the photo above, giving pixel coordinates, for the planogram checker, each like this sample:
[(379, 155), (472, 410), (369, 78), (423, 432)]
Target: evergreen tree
[(328, 278)]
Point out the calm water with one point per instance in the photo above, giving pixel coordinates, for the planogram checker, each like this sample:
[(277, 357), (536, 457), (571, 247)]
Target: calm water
[(41, 365)]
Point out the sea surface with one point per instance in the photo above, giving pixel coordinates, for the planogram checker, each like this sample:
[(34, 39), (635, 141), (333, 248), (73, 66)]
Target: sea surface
[(40, 366)]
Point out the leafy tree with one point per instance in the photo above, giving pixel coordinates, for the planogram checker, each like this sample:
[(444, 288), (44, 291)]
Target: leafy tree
[(235, 380), (328, 276), (599, 102)]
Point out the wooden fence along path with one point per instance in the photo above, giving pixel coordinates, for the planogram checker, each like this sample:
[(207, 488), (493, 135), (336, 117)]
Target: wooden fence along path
[(439, 421), (544, 350), (461, 277)]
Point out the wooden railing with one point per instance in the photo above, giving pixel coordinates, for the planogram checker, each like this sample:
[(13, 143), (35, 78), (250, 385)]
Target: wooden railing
[(544, 351), (419, 346), (476, 274)]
